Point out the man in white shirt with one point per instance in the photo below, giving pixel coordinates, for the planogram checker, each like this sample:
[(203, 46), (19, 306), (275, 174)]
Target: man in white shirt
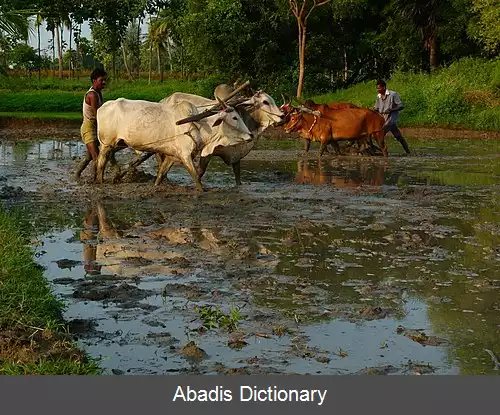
[(388, 104)]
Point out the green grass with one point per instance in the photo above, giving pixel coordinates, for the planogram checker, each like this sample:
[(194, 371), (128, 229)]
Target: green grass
[(28, 309), (464, 95)]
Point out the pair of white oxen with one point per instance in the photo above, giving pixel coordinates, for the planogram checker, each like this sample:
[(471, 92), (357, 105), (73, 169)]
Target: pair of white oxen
[(151, 127)]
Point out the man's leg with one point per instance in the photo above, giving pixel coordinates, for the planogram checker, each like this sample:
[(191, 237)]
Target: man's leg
[(393, 128), (89, 137)]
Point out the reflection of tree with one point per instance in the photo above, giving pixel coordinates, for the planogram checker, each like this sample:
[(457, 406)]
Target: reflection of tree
[(470, 318), (20, 150)]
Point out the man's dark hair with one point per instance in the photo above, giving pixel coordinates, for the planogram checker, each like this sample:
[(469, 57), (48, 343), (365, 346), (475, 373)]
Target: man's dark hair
[(381, 82), (96, 73)]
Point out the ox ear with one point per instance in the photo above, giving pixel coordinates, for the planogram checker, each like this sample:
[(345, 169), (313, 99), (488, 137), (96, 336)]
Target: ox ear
[(217, 122)]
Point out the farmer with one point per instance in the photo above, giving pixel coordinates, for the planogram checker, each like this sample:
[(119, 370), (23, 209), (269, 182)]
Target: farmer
[(91, 102), (389, 104)]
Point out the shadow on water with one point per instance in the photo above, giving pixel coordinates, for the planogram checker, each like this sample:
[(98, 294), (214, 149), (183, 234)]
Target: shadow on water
[(344, 265)]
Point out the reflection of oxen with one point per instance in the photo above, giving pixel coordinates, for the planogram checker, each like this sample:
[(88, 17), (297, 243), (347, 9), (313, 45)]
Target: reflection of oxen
[(324, 173), (151, 127), (143, 251)]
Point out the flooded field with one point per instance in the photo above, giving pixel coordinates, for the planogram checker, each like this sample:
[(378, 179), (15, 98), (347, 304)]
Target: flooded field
[(348, 265)]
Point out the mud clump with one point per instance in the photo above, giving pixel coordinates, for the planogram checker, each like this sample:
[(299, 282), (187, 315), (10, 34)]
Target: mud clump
[(123, 293), (10, 192), (80, 326), (192, 352), (420, 337), (67, 263)]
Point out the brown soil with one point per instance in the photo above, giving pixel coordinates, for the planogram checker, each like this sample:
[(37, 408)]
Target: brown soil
[(30, 346), (20, 128)]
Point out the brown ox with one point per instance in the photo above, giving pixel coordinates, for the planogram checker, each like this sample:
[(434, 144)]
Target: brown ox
[(338, 125), (328, 106)]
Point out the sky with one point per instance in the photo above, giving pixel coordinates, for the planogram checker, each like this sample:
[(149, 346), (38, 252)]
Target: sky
[(45, 36)]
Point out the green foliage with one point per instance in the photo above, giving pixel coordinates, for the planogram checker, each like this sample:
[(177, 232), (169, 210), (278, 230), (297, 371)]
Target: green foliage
[(24, 56), (466, 94), (214, 317), (488, 29)]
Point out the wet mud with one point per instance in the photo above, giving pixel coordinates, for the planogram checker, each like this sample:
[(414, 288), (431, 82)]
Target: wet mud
[(344, 265)]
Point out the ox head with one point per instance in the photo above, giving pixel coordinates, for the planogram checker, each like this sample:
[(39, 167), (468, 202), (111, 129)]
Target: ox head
[(263, 109), (228, 130), (294, 121)]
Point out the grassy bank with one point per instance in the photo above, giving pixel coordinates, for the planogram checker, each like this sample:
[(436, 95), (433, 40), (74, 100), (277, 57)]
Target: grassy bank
[(33, 336), (464, 95)]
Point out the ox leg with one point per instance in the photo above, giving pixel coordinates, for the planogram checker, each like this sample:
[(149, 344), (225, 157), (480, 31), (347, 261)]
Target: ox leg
[(115, 165), (101, 162), (236, 170), (336, 147), (322, 149), (163, 169), (188, 163), (380, 137), (202, 166), (307, 144)]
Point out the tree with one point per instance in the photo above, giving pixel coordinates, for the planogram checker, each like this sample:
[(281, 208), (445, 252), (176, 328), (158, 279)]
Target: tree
[(302, 10), (14, 23), (425, 15), (488, 12), (158, 39), (25, 57)]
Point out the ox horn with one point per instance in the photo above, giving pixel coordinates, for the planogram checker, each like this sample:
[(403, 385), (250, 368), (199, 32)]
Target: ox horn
[(310, 111), (215, 108)]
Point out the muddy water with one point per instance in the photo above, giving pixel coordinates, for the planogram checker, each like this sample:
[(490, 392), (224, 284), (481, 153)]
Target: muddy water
[(344, 266)]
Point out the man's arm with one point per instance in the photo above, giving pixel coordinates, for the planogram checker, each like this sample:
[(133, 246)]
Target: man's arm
[(398, 104), (91, 99)]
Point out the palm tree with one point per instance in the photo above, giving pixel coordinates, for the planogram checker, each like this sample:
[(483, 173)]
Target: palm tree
[(424, 14), (38, 23), (15, 24), (158, 39)]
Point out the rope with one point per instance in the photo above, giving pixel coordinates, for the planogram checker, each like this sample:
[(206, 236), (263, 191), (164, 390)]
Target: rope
[(312, 126)]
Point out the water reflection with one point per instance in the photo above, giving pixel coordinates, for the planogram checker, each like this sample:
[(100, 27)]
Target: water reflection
[(97, 227), (350, 175), (23, 151)]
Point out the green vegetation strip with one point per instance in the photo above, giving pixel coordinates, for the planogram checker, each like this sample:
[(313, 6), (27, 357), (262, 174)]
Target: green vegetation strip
[(34, 338)]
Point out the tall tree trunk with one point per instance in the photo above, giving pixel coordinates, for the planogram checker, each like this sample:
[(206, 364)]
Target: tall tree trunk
[(70, 54), (160, 68), (433, 52), (53, 54), (346, 69), (302, 54), (169, 52), (150, 54), (126, 64), (39, 54), (139, 43), (59, 51)]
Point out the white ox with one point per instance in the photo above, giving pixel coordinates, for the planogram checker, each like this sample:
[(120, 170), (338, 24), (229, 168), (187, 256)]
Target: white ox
[(151, 127), (258, 112)]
